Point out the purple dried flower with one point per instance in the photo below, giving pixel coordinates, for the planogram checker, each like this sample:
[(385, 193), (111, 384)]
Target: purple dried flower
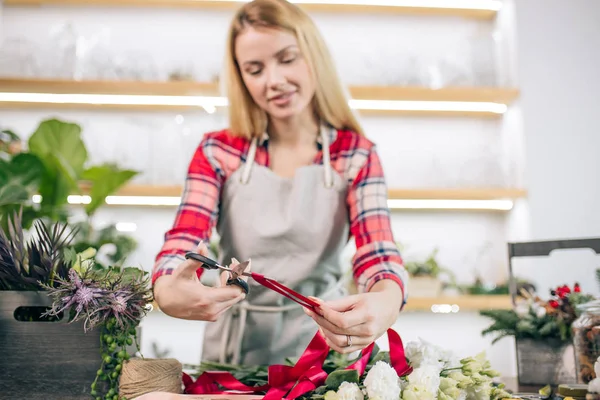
[(101, 296)]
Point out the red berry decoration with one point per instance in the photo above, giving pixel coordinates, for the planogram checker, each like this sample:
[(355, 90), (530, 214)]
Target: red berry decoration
[(553, 303), (577, 288)]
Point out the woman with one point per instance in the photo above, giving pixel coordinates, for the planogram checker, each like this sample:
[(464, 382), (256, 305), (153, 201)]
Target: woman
[(286, 185)]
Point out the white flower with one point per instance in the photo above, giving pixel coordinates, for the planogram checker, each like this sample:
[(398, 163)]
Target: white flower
[(424, 353), (413, 392), (594, 385), (426, 378), (522, 309), (462, 381), (540, 311), (331, 395), (349, 391), (479, 392), (382, 382)]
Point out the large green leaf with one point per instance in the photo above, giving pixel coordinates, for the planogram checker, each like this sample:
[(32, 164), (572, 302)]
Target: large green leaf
[(62, 150), (105, 180), (62, 139), (28, 168), (335, 379), (19, 178)]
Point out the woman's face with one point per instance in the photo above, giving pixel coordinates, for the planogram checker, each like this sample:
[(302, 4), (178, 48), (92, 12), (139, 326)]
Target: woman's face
[(274, 71)]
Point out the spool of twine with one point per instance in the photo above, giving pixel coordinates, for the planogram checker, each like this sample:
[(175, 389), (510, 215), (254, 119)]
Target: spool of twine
[(141, 376)]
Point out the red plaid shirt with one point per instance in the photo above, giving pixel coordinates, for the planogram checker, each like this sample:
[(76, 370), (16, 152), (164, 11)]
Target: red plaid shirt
[(353, 157)]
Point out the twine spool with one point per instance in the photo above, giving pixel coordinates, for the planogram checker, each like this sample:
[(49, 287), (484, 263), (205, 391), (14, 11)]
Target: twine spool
[(141, 376)]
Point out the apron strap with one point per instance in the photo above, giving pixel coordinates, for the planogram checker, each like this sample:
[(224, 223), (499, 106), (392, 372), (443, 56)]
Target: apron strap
[(249, 161), (326, 159)]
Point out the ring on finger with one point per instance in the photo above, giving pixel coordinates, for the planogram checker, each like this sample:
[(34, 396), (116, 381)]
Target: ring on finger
[(348, 341)]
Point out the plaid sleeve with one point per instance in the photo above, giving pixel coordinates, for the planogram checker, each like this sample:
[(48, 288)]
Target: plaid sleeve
[(377, 256), (197, 214)]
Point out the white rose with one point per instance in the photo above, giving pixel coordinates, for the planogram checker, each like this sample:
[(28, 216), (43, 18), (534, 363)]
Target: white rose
[(349, 391), (382, 382)]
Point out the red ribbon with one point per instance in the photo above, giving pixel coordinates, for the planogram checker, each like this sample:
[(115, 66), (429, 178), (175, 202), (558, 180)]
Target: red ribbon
[(286, 382), (285, 291)]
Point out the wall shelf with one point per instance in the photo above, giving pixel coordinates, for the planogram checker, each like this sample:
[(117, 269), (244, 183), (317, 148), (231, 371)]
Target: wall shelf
[(448, 304), (464, 303), (487, 9), (487, 200), (397, 194), (180, 95)]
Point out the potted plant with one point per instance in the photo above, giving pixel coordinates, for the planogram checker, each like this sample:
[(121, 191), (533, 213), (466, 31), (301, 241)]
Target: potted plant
[(53, 165), (425, 276), (542, 332), (65, 321)]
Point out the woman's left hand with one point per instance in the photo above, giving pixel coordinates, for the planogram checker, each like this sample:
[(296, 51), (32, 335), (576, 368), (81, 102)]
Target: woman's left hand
[(354, 322)]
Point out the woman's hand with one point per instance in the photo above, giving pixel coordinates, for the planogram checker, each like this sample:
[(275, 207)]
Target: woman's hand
[(356, 321), (181, 295)]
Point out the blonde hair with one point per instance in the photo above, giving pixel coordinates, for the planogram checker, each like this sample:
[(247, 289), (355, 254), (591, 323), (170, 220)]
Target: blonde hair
[(330, 102)]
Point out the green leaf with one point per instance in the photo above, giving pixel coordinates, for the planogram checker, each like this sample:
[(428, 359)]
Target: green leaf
[(62, 139), (335, 379), (28, 167), (9, 135), (19, 178), (105, 180), (60, 147)]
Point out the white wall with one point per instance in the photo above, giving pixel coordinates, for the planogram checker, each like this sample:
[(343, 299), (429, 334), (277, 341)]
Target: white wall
[(558, 71), (557, 64)]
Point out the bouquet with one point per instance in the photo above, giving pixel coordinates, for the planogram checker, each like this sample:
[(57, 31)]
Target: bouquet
[(535, 318), (433, 374)]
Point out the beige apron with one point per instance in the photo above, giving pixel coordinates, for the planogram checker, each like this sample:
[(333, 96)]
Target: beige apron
[(294, 230)]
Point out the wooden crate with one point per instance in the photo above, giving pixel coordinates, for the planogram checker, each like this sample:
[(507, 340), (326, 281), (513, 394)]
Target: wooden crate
[(44, 360)]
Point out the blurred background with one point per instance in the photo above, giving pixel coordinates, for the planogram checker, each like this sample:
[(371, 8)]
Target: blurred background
[(485, 114)]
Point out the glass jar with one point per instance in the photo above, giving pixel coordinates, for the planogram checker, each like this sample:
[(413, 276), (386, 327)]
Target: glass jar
[(586, 340)]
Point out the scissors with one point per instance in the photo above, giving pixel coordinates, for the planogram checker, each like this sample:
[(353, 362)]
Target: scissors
[(240, 270)]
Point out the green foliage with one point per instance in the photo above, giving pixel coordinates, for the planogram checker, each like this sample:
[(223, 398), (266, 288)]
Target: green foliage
[(60, 147), (537, 320), (96, 238), (55, 167), (336, 378), (105, 180), (42, 259), (429, 267)]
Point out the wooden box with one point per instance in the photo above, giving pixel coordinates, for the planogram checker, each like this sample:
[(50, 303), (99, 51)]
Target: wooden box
[(44, 360)]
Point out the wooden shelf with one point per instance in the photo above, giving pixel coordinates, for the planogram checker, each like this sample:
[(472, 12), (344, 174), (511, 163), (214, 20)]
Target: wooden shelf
[(457, 194), (494, 96), (421, 194), (464, 303), (233, 5), (166, 88)]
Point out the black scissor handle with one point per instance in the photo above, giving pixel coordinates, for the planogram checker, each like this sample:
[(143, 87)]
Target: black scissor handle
[(208, 263), (239, 282)]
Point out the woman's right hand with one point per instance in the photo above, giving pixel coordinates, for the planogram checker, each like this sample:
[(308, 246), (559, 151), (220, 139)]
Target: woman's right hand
[(182, 295)]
